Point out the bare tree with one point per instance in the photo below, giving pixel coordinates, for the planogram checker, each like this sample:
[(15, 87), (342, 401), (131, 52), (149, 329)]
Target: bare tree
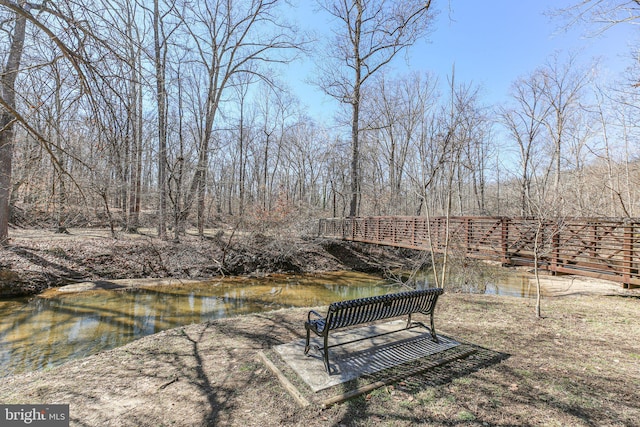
[(563, 85), (605, 13), (121, 106), (276, 110), (8, 76), (524, 120), (471, 138), (60, 29), (368, 36), (545, 228), (626, 115), (160, 49), (242, 85), (478, 154), (230, 39), (393, 117)]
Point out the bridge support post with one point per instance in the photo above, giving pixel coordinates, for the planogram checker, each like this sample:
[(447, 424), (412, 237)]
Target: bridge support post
[(504, 241), (555, 248), (627, 248), (469, 232)]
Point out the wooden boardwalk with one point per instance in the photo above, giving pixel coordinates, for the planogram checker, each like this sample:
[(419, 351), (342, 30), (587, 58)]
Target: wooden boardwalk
[(593, 247)]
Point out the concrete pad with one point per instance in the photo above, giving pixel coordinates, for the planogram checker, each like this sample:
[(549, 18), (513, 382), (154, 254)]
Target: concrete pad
[(353, 360)]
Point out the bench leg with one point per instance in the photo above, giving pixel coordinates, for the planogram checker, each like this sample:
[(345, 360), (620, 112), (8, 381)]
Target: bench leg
[(325, 350), (306, 346), (326, 353), (434, 337), (433, 331)]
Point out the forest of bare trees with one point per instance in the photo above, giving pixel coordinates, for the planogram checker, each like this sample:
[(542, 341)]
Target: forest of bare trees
[(174, 114)]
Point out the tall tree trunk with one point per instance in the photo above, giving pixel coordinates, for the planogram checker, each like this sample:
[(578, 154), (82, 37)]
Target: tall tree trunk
[(162, 126), (202, 168), (136, 114), (355, 157), (265, 169), (7, 82), (355, 118), (241, 172), (178, 175), (136, 179), (59, 197)]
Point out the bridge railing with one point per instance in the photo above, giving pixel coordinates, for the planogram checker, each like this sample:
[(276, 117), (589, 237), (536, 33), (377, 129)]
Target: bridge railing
[(593, 247)]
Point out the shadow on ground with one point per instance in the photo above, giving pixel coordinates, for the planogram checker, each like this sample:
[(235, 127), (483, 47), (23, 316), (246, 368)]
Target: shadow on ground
[(410, 378)]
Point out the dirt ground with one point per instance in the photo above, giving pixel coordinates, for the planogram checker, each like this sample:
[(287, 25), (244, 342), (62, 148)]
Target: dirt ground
[(578, 366)]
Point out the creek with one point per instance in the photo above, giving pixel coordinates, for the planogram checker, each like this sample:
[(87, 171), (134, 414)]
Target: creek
[(50, 329)]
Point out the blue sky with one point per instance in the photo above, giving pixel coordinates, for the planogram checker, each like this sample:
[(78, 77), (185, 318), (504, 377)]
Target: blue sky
[(491, 43)]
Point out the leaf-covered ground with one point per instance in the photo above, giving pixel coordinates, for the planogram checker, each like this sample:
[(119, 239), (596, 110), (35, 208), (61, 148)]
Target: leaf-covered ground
[(37, 259)]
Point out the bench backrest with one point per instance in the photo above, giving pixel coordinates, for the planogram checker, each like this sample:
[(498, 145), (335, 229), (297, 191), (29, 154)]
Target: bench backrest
[(362, 310)]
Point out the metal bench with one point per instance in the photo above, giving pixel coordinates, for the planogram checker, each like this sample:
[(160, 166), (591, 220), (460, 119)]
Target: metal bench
[(364, 310)]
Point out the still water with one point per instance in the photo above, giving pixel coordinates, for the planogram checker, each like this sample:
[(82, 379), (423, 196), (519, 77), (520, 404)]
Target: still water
[(46, 331)]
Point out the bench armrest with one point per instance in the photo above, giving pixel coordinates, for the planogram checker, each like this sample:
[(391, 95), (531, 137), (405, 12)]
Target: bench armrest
[(315, 313)]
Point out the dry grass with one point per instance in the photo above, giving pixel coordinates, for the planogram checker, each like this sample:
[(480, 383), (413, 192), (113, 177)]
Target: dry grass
[(578, 366)]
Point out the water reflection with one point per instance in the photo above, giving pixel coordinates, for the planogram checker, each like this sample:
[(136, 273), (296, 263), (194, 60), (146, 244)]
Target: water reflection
[(44, 332), (490, 281)]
